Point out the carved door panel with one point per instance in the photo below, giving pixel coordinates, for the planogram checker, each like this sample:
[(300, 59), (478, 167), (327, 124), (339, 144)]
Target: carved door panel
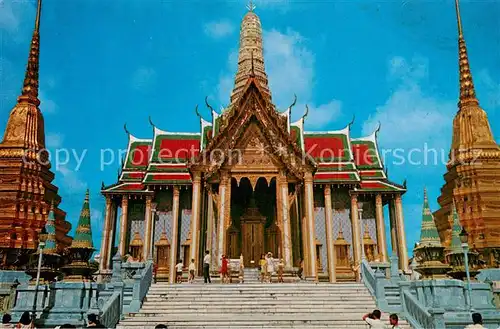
[(252, 243)]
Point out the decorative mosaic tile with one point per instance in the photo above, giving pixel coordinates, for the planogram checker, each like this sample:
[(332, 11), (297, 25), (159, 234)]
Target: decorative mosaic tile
[(342, 218), (163, 221), (320, 228)]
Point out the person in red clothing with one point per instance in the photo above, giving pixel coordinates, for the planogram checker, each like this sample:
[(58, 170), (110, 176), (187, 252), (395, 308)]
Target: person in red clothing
[(224, 270)]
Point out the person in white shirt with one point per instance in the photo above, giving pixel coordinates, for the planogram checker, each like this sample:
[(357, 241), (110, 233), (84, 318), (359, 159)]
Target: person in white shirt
[(192, 270), (393, 320), (477, 321), (373, 320), (178, 269), (206, 267)]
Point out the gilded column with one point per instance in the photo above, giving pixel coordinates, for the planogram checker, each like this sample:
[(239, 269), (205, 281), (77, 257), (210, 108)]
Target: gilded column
[(210, 221), (356, 235), (379, 218), (330, 250), (105, 236), (112, 231), (223, 186), (149, 228), (392, 222), (195, 219), (403, 249), (287, 227), (311, 236), (175, 234), (123, 226), (305, 235)]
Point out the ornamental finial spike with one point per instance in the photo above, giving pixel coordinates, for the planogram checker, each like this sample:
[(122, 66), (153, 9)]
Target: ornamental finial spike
[(208, 105), (30, 86), (467, 90), (251, 6)]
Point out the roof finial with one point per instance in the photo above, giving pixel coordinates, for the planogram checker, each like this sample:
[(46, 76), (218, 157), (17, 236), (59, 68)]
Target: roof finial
[(352, 121), (307, 112), (467, 90), (251, 6), (208, 105), (30, 86)]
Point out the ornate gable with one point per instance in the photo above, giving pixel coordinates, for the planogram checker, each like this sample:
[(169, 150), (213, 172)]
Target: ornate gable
[(253, 112)]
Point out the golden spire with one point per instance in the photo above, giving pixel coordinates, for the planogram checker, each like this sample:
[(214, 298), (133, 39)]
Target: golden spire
[(471, 128), (251, 55), (30, 87), (467, 91), (25, 127)]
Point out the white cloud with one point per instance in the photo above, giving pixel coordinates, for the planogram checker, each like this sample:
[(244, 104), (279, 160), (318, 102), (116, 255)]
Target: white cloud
[(53, 140), (490, 100), (290, 68), (219, 29), (71, 179), (47, 105), (410, 118), (143, 77)]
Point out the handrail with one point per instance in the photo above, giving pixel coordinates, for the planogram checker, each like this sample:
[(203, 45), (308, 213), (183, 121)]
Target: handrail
[(415, 313), (111, 311), (146, 279), (142, 282), (368, 277)]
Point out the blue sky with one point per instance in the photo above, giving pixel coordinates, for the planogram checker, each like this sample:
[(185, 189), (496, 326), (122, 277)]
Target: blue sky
[(104, 63)]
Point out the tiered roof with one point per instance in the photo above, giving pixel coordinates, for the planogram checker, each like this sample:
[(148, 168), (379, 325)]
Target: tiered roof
[(340, 159)]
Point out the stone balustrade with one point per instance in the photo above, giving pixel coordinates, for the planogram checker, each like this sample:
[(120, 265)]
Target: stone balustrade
[(442, 304)]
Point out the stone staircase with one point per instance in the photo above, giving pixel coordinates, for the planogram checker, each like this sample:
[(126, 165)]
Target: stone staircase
[(254, 305)]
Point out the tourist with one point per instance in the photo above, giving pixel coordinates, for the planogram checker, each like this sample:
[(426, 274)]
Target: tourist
[(25, 322), (93, 321), (301, 268), (373, 320), (393, 320), (161, 326), (281, 269), (224, 270), (178, 270), (262, 268), (6, 321), (242, 267), (206, 267), (270, 267), (192, 269), (477, 321)]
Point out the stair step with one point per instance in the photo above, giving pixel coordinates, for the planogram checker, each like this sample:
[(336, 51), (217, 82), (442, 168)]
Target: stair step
[(304, 305)]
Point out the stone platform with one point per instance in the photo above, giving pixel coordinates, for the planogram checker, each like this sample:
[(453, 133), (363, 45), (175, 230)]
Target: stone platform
[(254, 305)]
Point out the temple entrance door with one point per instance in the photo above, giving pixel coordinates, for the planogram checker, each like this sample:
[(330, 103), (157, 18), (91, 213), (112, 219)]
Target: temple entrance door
[(252, 233)]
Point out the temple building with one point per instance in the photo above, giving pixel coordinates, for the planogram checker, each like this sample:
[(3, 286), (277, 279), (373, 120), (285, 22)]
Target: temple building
[(251, 182), (473, 171), (26, 189)]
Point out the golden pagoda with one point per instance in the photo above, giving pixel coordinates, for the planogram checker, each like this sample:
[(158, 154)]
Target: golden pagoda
[(26, 189), (473, 170)]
